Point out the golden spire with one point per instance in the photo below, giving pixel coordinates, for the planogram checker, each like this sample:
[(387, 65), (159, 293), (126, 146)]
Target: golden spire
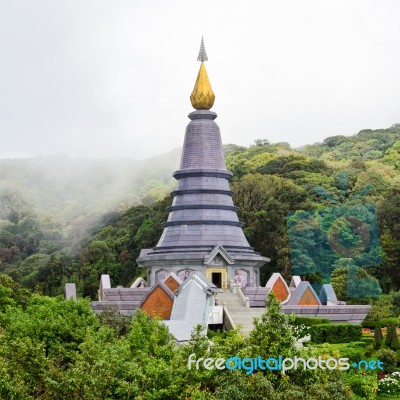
[(202, 96)]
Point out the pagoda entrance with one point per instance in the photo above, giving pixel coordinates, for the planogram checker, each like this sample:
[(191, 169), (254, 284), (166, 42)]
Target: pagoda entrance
[(218, 276), (216, 279)]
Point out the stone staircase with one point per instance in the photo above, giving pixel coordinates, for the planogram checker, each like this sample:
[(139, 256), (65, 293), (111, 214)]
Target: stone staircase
[(240, 315)]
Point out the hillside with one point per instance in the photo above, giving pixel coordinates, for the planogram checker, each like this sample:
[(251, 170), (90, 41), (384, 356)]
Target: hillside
[(50, 204), (69, 219)]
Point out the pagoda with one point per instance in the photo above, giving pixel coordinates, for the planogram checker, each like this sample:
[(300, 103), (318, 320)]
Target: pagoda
[(203, 232), (203, 250)]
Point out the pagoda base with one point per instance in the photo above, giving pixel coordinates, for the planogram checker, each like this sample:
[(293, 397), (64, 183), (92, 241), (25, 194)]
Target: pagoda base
[(218, 266)]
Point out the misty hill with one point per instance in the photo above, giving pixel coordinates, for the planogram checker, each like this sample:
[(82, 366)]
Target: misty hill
[(271, 180), (52, 203), (63, 219), (69, 188)]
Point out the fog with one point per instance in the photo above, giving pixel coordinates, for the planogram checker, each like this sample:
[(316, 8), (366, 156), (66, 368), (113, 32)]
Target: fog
[(69, 199), (100, 79)]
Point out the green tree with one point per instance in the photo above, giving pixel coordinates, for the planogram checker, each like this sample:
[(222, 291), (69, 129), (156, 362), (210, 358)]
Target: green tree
[(353, 282), (388, 358), (264, 202), (12, 294), (59, 325), (50, 276), (272, 333)]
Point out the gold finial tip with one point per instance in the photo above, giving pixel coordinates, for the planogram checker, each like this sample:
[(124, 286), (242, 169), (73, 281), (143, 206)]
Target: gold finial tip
[(202, 96)]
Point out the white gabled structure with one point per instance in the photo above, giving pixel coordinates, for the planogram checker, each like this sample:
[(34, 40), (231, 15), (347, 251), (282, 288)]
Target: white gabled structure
[(295, 281), (279, 287), (194, 305), (139, 282)]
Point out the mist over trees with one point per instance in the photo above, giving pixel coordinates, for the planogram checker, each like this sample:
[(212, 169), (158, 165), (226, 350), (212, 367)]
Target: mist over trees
[(93, 217), (50, 205)]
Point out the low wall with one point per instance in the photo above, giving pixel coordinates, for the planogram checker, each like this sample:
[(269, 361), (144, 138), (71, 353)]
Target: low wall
[(228, 323), (338, 313), (124, 307)]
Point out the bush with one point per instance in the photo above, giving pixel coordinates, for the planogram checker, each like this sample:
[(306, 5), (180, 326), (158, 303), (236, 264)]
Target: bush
[(393, 342), (388, 338), (300, 331), (378, 336), (388, 357), (389, 321), (359, 343), (398, 357), (369, 350), (354, 354), (368, 323), (309, 321), (119, 323), (390, 384), (335, 333), (364, 386), (368, 340)]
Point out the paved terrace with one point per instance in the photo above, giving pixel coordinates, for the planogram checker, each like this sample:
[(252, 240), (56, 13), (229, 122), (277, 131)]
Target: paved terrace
[(241, 315), (126, 300)]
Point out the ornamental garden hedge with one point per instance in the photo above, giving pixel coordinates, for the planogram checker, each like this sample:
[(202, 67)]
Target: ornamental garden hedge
[(335, 333)]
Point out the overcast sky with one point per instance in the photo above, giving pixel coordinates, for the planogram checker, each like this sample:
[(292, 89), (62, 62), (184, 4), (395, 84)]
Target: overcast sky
[(97, 78)]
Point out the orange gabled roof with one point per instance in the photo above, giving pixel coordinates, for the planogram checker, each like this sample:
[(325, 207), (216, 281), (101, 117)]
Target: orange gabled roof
[(158, 302)]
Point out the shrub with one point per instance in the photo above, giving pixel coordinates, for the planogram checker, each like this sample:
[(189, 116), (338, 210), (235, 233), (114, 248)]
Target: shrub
[(394, 340), (389, 321), (121, 324), (369, 350), (390, 384), (378, 336), (335, 333), (300, 331), (354, 354), (388, 338), (388, 357), (368, 323), (359, 343), (368, 340), (364, 386)]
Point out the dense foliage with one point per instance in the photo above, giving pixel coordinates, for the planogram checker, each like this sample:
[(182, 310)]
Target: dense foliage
[(56, 349), (335, 333)]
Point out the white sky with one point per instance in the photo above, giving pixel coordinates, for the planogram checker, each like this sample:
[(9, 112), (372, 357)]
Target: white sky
[(96, 78)]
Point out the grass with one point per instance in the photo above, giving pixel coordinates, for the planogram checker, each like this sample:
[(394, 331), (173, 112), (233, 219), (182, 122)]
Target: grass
[(338, 346)]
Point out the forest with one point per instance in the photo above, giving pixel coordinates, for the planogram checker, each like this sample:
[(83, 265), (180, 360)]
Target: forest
[(328, 212), (64, 220)]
